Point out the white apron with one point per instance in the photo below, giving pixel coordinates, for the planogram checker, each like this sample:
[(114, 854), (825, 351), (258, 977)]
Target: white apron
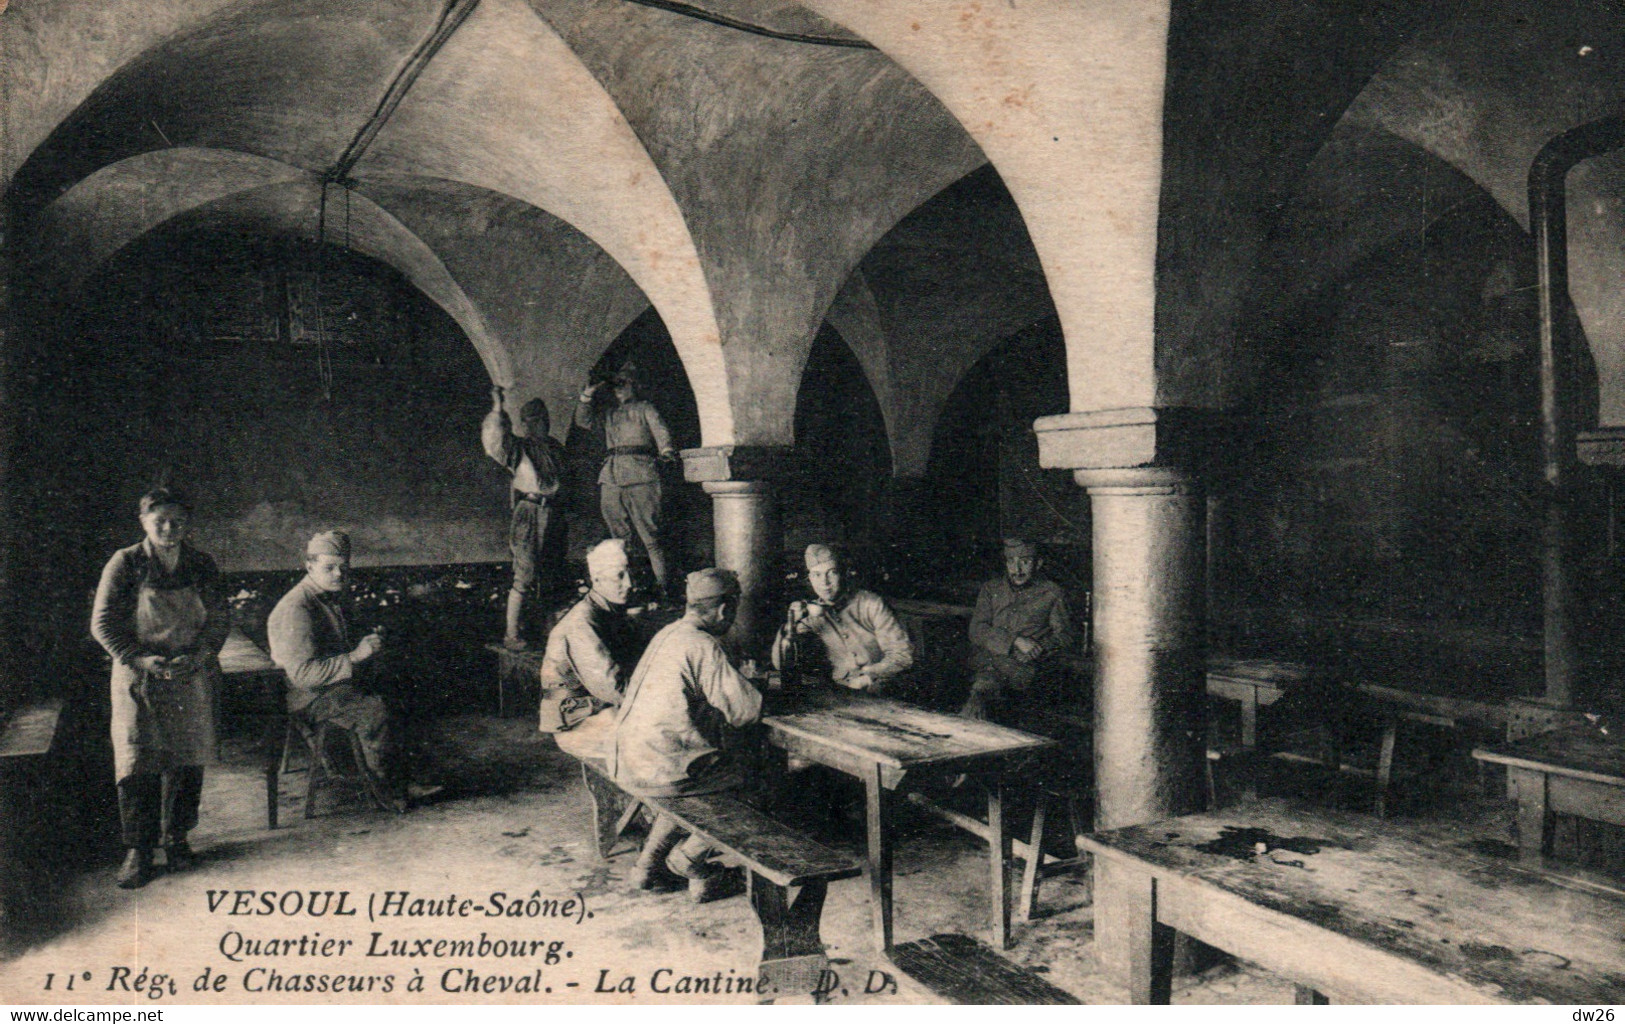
[(160, 724)]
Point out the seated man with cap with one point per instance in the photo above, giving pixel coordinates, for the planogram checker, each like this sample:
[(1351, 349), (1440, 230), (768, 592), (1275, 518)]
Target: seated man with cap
[(1020, 623), (864, 645), (310, 641), (669, 731), (589, 655)]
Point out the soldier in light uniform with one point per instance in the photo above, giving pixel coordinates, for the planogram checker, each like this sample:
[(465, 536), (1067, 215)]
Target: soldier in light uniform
[(589, 655), (629, 484), (669, 738), (536, 462)]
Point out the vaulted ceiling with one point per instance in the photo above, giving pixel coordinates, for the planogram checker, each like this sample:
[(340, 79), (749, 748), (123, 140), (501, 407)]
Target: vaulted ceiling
[(1175, 176)]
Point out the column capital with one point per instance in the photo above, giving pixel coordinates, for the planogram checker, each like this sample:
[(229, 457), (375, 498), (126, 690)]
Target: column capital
[(1139, 438), (734, 462), (1147, 480), (736, 488)]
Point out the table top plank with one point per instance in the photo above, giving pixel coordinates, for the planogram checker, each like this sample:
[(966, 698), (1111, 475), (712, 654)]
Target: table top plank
[(240, 655), (1257, 671), (1407, 890), (30, 731), (1581, 752), (893, 734)]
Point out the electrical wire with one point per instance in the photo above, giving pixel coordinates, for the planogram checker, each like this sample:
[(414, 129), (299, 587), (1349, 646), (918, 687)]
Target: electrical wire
[(701, 14)]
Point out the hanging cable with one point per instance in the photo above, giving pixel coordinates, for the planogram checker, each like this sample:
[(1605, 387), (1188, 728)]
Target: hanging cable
[(324, 358), (701, 14)]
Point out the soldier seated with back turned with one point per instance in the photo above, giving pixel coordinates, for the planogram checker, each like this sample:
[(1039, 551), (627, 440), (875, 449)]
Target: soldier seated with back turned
[(669, 732)]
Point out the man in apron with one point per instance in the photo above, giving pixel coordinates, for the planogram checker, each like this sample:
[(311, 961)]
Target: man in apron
[(162, 617)]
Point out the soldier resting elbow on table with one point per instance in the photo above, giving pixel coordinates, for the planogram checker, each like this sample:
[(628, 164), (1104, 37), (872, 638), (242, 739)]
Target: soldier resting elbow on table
[(851, 632), (669, 732)]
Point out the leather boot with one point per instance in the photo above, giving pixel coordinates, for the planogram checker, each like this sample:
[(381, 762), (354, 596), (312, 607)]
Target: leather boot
[(178, 856), (650, 872), (707, 880), (137, 868), (511, 638)]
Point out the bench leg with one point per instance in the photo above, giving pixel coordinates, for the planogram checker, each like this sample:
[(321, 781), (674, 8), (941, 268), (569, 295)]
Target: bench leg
[(793, 959), (1033, 869), (1303, 995), (612, 811), (1385, 764)]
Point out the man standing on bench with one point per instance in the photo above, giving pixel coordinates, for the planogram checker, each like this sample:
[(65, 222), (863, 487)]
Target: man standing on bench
[(669, 731)]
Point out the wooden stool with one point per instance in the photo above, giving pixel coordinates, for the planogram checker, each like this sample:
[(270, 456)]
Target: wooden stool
[(313, 738)]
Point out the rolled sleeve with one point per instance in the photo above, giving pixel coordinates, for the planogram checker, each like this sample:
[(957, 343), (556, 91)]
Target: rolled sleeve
[(496, 437)]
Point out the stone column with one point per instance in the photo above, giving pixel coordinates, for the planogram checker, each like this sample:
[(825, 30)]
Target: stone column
[(1150, 558), (1150, 552), (748, 541), (749, 535)]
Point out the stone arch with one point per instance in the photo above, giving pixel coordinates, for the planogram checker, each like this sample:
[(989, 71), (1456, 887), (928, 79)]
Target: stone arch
[(548, 134), (944, 286), (1095, 234), (102, 214)]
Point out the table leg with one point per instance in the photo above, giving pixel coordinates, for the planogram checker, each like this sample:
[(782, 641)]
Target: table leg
[(1150, 943), (1033, 868), (1534, 824), (998, 850), (879, 815), (1385, 764), (272, 776), (1249, 719)]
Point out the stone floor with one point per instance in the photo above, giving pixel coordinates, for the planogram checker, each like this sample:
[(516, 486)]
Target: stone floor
[(516, 821)]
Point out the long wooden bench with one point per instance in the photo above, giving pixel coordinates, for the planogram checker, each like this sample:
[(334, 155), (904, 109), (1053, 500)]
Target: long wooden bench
[(776, 858)]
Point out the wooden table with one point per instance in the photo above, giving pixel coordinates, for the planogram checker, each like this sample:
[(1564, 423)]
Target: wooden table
[(1252, 683), (1353, 908), (521, 672), (884, 743), (1574, 771), (244, 665)]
